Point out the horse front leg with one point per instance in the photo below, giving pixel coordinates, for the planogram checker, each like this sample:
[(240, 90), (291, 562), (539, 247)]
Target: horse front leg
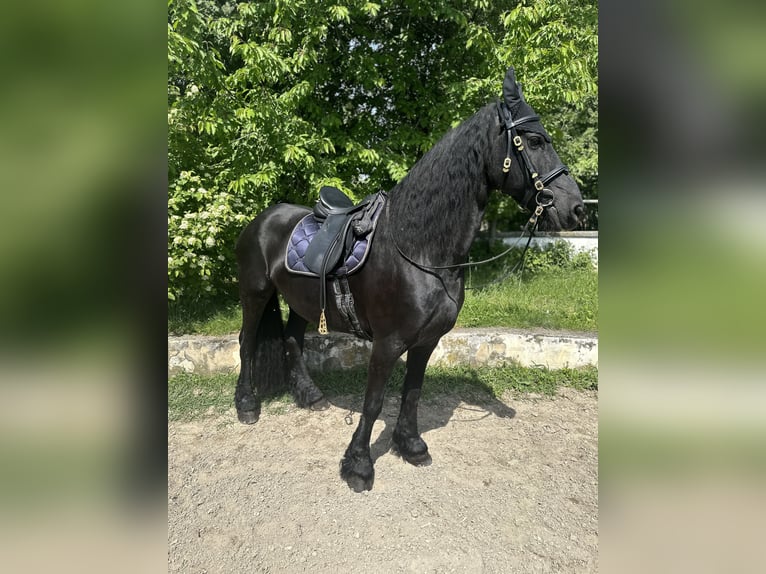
[(407, 440), (356, 466), (305, 392)]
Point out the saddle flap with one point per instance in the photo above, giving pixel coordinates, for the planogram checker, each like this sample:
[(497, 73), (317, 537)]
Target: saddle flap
[(326, 248)]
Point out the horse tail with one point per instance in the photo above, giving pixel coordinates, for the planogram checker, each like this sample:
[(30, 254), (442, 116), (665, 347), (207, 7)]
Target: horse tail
[(270, 373)]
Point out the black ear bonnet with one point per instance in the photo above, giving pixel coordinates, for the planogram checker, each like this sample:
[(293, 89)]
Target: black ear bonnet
[(519, 108)]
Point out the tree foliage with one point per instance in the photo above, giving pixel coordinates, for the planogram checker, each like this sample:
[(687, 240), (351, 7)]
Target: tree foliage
[(268, 101)]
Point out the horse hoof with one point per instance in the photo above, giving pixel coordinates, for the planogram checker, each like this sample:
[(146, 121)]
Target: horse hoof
[(359, 475), (306, 395), (422, 459), (359, 484), (321, 405), (412, 450), (248, 417)]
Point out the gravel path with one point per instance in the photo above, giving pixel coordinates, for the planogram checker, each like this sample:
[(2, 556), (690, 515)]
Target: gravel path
[(512, 488)]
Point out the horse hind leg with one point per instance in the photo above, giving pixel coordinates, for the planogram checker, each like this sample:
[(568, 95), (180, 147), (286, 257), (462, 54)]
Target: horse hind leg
[(247, 404), (406, 438), (305, 392), (262, 353)]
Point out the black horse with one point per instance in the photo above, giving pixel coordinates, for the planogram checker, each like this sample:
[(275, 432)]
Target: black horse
[(411, 288)]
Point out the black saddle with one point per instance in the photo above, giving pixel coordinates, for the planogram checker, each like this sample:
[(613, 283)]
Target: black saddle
[(341, 224)]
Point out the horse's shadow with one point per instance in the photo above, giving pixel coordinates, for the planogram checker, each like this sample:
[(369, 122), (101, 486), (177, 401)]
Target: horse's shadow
[(443, 395)]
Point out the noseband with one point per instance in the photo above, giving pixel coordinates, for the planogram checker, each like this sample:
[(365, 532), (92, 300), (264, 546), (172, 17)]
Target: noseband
[(543, 195)]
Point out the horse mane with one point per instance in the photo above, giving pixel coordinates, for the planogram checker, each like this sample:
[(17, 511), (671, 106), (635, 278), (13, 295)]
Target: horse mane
[(443, 192)]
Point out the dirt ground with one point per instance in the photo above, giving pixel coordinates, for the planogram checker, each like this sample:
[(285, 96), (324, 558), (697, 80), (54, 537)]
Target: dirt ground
[(512, 488)]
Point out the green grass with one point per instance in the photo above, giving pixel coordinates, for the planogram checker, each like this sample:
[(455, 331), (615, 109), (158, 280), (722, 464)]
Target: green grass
[(553, 299), (566, 299), (207, 320), (194, 396)]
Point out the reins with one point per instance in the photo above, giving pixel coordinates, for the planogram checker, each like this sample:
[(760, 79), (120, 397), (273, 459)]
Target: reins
[(530, 227)]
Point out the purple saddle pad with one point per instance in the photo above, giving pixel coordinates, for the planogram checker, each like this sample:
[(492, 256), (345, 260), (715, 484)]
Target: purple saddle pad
[(300, 239)]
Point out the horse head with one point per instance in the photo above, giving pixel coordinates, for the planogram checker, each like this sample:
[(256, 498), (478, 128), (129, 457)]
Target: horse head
[(525, 166)]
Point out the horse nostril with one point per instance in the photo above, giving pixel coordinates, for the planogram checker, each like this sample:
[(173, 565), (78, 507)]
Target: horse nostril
[(579, 211)]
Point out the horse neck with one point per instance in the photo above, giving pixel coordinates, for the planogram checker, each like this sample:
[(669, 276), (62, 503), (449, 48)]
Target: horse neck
[(436, 210)]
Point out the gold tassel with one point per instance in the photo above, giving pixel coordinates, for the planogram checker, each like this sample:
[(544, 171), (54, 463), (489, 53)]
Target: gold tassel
[(322, 324)]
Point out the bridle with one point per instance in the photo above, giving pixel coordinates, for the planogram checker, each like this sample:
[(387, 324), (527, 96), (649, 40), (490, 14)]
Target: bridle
[(543, 195)]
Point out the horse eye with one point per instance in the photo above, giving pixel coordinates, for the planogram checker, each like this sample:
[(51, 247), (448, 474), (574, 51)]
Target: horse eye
[(535, 142)]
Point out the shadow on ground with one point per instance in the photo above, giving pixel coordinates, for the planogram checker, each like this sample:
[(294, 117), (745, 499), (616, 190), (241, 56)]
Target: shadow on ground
[(443, 396)]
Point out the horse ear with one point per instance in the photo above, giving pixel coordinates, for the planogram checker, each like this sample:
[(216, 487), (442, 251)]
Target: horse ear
[(511, 90)]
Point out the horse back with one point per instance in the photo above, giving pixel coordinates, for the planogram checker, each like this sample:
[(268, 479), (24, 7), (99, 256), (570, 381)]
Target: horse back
[(270, 228)]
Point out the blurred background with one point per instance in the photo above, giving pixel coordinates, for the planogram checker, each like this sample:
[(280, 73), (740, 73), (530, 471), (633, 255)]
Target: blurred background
[(82, 358), (84, 175), (682, 401)]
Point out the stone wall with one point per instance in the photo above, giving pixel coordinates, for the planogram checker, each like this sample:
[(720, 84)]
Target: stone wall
[(473, 347)]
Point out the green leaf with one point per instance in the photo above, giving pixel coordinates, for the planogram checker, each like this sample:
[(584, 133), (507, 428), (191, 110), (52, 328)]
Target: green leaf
[(340, 13)]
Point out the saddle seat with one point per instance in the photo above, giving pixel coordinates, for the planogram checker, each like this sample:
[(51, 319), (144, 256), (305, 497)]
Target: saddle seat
[(331, 200)]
